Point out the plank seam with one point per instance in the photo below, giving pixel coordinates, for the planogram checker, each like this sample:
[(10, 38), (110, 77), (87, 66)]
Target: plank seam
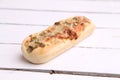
[(60, 11), (81, 73)]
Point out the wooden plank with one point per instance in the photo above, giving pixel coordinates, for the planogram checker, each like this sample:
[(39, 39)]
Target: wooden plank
[(64, 5), (75, 59), (18, 75), (103, 38), (48, 18)]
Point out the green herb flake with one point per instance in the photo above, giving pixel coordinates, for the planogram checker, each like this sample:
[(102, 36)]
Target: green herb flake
[(42, 34), (75, 19), (30, 49), (57, 23)]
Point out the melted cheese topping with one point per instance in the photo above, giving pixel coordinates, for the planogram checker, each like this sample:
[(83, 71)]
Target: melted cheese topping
[(68, 29)]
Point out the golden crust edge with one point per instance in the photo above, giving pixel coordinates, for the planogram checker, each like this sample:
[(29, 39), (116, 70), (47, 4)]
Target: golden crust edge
[(42, 55)]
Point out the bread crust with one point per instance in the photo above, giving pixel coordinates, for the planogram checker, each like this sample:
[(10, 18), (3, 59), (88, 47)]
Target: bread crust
[(42, 55)]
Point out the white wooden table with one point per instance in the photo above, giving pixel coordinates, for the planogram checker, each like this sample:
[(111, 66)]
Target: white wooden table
[(95, 58)]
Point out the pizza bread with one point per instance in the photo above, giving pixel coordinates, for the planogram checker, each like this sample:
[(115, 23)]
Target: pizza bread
[(45, 45)]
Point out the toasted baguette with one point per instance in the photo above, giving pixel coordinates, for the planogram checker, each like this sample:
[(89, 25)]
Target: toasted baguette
[(44, 53)]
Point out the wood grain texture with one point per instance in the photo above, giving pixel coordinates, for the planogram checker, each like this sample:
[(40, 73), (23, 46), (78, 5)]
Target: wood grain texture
[(48, 18), (76, 59), (64, 5)]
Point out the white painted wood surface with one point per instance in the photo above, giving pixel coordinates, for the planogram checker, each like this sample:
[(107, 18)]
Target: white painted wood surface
[(99, 53), (15, 75)]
